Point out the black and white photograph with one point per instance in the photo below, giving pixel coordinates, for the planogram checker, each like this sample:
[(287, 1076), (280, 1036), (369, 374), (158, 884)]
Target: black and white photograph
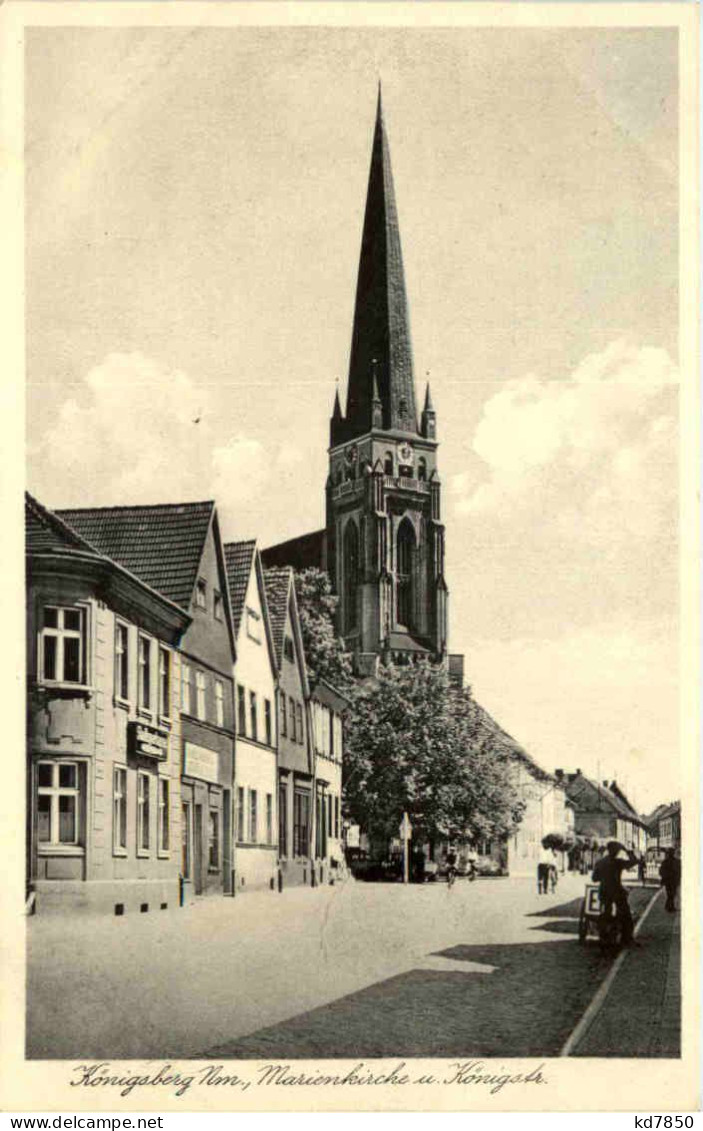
[(358, 402)]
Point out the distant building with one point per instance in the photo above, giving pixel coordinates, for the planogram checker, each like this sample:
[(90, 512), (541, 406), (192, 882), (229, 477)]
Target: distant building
[(664, 827), (104, 728), (547, 812), (255, 785), (176, 549), (603, 812)]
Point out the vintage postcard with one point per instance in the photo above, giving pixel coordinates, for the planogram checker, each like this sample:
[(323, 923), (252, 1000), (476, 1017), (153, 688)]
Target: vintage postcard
[(352, 396)]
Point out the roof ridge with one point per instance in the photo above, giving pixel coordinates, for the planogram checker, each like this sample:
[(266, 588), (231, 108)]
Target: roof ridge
[(136, 506)]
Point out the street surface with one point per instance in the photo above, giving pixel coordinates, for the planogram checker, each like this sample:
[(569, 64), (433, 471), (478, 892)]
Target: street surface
[(489, 968)]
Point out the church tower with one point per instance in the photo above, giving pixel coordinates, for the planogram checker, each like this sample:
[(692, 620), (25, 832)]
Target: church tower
[(384, 536)]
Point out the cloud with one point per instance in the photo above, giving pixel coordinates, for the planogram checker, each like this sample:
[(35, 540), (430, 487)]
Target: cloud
[(571, 505), (137, 431), (603, 698)]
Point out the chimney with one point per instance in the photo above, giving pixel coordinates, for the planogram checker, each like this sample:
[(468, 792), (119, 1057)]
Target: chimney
[(605, 784), (559, 775)]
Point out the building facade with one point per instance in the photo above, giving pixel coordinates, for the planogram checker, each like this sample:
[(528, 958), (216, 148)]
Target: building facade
[(327, 706), (255, 786), (103, 728), (602, 812), (296, 768), (176, 549)]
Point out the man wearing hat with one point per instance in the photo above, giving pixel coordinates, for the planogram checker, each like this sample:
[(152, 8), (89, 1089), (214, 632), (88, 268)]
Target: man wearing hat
[(608, 873)]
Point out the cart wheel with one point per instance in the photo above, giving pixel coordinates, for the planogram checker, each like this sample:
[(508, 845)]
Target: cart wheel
[(583, 927)]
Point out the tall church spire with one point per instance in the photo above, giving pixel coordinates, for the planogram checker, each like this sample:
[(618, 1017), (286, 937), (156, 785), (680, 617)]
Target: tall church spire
[(381, 328)]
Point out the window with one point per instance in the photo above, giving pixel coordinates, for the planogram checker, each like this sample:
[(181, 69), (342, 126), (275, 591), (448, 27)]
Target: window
[(351, 573), (422, 469), (213, 839), (336, 817), (299, 722), (282, 712), (201, 594), (145, 673), (329, 815), (200, 695), (283, 820), (62, 645), (164, 814), (119, 809), (388, 464), (269, 818), (241, 710), (121, 661), (219, 703), (404, 594), (217, 605), (253, 714), (143, 798), (301, 823), (185, 689), (164, 682), (240, 815), (268, 722), (253, 817), (288, 649), (58, 798), (253, 625), (291, 717)]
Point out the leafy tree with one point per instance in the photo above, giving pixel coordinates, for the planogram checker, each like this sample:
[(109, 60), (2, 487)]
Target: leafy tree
[(324, 652), (414, 745)]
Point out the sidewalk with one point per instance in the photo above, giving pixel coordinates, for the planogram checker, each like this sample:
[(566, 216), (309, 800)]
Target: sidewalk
[(641, 1015)]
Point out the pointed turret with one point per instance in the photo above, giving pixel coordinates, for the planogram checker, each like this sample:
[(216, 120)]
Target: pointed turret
[(381, 326), (428, 423), (337, 421)]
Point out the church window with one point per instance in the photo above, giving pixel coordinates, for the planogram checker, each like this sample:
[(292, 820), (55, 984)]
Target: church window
[(421, 469), (388, 464), (351, 575), (404, 574)]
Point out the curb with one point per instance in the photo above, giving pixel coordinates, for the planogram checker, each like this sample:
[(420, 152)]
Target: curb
[(598, 1000)]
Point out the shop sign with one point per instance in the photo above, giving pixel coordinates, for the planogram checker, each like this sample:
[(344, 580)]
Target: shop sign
[(148, 741), (199, 762)]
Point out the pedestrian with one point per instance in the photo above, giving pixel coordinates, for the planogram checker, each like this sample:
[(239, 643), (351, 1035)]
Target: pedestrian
[(546, 860), (670, 873), (608, 873), (641, 870)]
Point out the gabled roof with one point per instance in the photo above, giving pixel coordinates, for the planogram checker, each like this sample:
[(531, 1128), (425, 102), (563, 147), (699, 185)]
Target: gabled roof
[(578, 785), (490, 730), (162, 545), (44, 531), (278, 582), (238, 560), (280, 597)]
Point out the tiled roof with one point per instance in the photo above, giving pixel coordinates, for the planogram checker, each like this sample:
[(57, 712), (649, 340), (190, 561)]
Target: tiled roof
[(500, 739), (161, 545), (604, 794), (238, 559), (301, 553), (44, 531), (277, 582)]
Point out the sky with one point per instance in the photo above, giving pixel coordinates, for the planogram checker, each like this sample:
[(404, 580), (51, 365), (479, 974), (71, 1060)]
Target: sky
[(194, 204)]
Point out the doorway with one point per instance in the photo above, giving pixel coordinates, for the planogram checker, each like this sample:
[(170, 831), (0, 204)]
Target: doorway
[(186, 842)]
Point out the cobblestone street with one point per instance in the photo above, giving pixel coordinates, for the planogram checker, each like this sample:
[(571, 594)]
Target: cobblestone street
[(490, 968)]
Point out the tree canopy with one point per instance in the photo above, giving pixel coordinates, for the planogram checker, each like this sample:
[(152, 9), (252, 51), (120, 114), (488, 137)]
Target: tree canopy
[(413, 745), (325, 657)]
